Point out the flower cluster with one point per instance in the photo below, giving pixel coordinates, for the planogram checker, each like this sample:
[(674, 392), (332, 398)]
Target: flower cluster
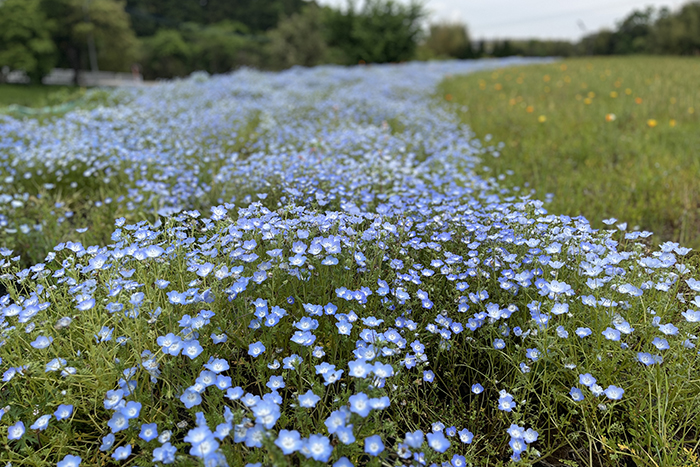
[(340, 263)]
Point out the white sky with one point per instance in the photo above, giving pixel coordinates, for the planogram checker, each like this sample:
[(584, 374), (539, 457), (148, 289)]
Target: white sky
[(524, 19)]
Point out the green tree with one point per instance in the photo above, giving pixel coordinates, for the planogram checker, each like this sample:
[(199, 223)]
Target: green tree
[(166, 55), (148, 16), (382, 31), (101, 22), (299, 40), (678, 33), (221, 47), (634, 33), (25, 38), (449, 40)]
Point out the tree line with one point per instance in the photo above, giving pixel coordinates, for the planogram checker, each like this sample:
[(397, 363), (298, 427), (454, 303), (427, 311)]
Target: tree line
[(169, 38)]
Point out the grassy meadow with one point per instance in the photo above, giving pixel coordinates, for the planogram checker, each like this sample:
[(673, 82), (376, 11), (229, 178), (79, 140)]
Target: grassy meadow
[(607, 137), (312, 268), (37, 96)]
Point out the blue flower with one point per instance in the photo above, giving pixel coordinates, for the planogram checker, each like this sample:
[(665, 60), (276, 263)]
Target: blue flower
[(41, 423), (122, 452), (335, 420), (118, 422), (374, 445), (165, 453), (63, 411), (359, 404), (107, 442), (343, 462), (69, 461), (611, 334), (438, 442), (41, 342), (149, 431), (309, 399), (583, 332), (345, 434), (132, 409), (16, 431), (614, 393), (192, 349), (576, 394), (319, 448), (465, 436), (254, 350), (191, 398), (288, 441)]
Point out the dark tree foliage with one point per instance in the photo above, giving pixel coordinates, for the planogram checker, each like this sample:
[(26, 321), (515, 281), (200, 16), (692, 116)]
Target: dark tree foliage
[(148, 16), (381, 31)]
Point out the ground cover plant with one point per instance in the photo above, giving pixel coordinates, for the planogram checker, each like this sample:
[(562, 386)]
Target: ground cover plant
[(305, 268), (607, 137)]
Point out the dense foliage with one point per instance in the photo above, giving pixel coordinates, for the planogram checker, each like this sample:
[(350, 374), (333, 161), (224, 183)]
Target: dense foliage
[(306, 269)]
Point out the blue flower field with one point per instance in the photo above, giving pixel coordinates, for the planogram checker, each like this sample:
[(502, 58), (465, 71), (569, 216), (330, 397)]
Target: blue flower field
[(303, 268)]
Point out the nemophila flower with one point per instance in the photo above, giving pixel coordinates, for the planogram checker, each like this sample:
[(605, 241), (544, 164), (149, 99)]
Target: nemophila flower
[(458, 461), (288, 441), (438, 442), (428, 376), (55, 364), (532, 354), (374, 445), (15, 431), (107, 442), (319, 448), (165, 454), (359, 404), (465, 436), (41, 342), (122, 452), (41, 423), (149, 431), (343, 462), (291, 362), (266, 413), (648, 359), (668, 329), (191, 398), (345, 434), (69, 460), (586, 379), (254, 350), (691, 316), (63, 411), (576, 394), (499, 344), (506, 403), (132, 409), (118, 422), (614, 393), (336, 419), (192, 349), (518, 446), (611, 334), (309, 399), (477, 388), (661, 344)]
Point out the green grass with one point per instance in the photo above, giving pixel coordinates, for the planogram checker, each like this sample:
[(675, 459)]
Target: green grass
[(608, 137), (37, 96)]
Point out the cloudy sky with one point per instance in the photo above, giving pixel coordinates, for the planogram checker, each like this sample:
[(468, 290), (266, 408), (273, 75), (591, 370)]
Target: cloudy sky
[(545, 19)]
